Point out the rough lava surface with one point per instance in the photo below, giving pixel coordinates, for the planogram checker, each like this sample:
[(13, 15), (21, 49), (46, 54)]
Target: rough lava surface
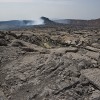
[(50, 63)]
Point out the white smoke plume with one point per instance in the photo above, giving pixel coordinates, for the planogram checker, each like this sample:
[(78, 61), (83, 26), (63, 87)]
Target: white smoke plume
[(36, 22)]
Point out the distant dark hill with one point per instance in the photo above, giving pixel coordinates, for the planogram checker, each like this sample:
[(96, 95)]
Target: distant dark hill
[(94, 22), (14, 24), (62, 21)]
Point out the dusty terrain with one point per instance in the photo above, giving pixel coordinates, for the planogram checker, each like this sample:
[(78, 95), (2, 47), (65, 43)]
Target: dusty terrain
[(50, 63)]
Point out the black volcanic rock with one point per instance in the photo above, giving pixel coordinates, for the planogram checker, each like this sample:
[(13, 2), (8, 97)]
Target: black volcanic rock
[(47, 20)]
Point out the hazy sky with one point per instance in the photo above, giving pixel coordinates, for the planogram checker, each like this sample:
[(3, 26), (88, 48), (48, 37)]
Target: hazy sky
[(32, 9)]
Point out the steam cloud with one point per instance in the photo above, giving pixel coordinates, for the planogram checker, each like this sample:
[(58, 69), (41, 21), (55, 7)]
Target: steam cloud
[(39, 22), (36, 22)]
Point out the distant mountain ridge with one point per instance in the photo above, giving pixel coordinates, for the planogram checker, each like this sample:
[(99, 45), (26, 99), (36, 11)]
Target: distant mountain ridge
[(14, 24), (94, 22)]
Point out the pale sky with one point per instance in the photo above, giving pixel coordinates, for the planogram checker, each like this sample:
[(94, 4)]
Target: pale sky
[(60, 9)]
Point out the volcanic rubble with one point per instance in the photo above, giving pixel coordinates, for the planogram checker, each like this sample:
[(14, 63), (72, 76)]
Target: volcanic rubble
[(49, 65)]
